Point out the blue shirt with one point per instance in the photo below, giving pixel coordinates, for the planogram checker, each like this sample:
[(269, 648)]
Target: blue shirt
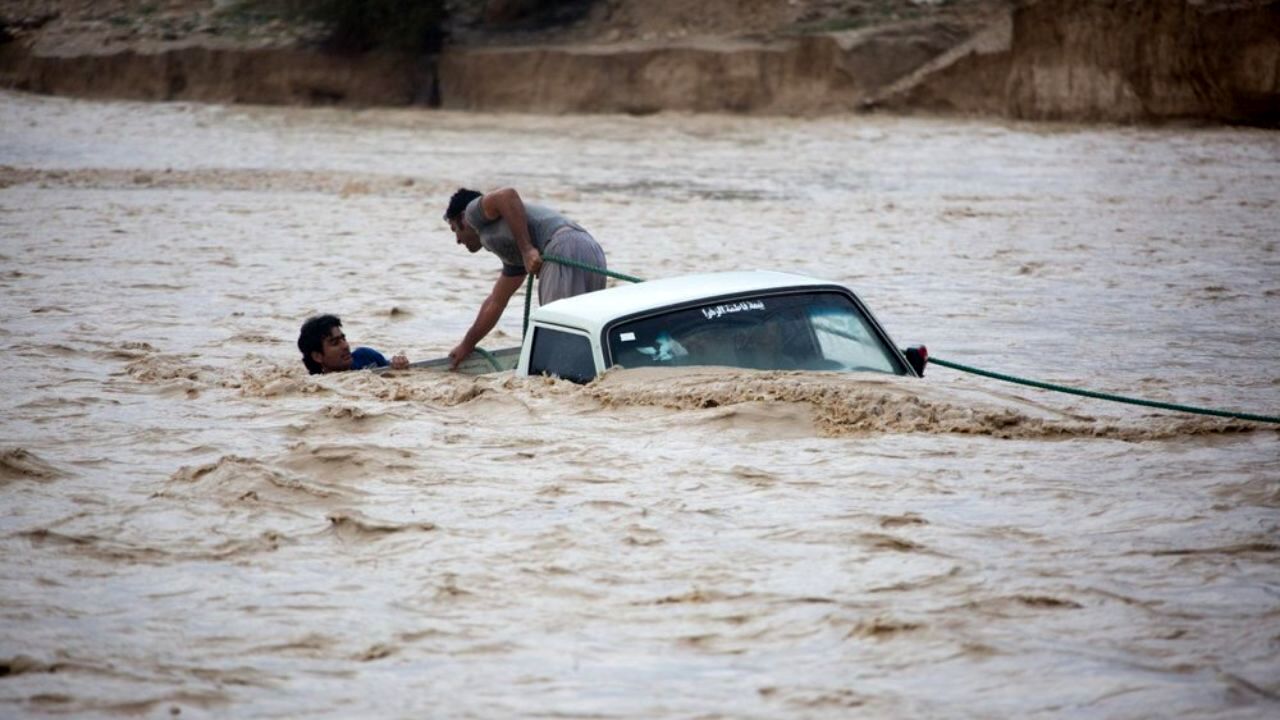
[(363, 357)]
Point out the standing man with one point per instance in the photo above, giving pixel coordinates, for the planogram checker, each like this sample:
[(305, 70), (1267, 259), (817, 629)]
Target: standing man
[(519, 234)]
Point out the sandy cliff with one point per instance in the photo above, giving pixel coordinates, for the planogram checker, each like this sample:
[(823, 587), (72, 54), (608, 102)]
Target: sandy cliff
[(266, 76), (831, 72), (1082, 60), (1149, 59), (1118, 61)]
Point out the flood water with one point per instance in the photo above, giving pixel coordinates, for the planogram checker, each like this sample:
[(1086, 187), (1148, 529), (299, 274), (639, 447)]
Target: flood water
[(192, 526)]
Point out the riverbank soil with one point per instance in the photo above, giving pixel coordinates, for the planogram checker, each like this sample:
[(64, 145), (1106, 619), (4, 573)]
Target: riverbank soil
[(1075, 60)]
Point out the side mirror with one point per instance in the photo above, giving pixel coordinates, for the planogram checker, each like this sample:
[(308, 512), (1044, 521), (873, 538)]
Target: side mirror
[(917, 357)]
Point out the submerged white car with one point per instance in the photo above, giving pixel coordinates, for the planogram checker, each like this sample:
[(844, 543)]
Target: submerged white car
[(760, 319)]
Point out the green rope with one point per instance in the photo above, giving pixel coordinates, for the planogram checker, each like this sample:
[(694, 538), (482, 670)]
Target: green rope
[(963, 368), (1105, 396), (591, 268), (528, 302), (497, 366), (528, 288)]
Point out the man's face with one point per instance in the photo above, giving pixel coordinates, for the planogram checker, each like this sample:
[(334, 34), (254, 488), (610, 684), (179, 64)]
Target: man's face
[(335, 354), (465, 235)]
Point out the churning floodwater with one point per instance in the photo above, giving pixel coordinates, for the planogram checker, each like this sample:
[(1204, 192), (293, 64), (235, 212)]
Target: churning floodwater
[(194, 527)]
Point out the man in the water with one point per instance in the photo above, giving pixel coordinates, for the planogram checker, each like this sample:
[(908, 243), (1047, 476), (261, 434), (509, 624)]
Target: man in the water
[(519, 234), (324, 349)]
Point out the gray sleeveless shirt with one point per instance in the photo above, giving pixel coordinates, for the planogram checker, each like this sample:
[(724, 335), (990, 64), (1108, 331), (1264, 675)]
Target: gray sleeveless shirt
[(496, 237)]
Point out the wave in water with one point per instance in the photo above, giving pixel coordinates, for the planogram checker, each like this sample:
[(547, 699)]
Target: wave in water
[(856, 405), (787, 403), (19, 464)]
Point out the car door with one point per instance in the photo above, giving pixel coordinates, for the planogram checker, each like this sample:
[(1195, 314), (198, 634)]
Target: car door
[(561, 352)]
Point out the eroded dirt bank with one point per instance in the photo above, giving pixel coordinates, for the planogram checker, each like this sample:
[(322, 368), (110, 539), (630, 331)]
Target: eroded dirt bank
[(266, 76), (1072, 60), (831, 72), (1084, 60)]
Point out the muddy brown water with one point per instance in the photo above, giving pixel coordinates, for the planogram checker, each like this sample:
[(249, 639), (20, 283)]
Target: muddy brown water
[(194, 526)]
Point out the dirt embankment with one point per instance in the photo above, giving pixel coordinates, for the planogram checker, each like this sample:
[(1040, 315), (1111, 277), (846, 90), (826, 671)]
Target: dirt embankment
[(1081, 60), (1156, 59)]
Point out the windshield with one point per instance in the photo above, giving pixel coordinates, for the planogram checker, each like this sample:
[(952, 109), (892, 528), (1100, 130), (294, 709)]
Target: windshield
[(805, 331)]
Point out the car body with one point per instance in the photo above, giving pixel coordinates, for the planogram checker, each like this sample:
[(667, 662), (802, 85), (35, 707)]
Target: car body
[(752, 319)]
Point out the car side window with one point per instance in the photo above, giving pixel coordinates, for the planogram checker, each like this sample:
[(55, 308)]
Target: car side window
[(565, 355)]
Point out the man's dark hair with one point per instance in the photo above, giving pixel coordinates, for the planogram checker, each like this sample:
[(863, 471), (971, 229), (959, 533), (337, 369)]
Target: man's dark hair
[(311, 339), (459, 202)]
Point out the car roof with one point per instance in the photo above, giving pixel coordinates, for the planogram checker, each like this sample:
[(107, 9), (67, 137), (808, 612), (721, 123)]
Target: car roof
[(592, 311)]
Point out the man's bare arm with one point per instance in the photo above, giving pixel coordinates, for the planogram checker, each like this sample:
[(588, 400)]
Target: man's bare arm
[(490, 312), (506, 204)]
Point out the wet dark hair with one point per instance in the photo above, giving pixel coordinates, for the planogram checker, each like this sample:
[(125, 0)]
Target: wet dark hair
[(311, 339), (459, 202)]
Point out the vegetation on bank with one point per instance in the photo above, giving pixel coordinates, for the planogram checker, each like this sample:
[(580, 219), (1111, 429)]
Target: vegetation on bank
[(860, 14), (409, 26)]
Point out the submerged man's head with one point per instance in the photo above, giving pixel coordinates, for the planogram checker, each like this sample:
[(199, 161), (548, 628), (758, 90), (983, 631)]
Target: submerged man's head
[(462, 232), (323, 345)]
